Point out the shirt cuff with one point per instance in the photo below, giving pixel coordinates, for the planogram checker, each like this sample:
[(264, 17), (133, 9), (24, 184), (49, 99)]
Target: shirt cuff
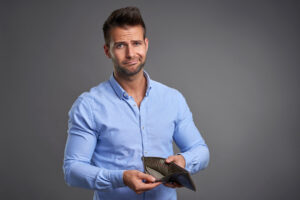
[(116, 177), (187, 159)]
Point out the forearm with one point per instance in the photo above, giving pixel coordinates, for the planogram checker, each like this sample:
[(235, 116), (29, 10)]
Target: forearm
[(189, 140), (85, 175)]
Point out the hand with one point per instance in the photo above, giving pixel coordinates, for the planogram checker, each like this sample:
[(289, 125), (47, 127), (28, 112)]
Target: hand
[(178, 160), (134, 180)]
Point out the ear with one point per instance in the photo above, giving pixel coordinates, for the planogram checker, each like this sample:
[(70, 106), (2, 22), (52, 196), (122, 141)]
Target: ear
[(106, 51), (146, 43)]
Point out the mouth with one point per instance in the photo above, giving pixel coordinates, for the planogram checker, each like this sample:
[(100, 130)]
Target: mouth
[(131, 62)]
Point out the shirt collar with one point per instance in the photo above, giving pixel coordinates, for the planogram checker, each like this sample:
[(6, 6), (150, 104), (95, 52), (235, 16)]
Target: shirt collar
[(121, 92)]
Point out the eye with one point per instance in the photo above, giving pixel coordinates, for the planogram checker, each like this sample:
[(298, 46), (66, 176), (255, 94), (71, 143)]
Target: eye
[(136, 43), (119, 46)]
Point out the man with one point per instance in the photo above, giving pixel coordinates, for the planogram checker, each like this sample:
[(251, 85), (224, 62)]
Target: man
[(116, 123)]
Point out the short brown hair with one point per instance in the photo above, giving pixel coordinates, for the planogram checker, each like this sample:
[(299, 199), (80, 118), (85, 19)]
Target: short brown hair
[(129, 16)]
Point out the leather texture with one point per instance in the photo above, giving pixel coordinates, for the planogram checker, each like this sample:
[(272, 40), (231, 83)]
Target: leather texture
[(167, 172)]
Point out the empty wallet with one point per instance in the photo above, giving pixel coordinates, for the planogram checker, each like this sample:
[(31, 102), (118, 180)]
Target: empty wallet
[(167, 172)]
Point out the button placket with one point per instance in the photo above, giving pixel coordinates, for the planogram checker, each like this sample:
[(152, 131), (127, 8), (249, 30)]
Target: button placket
[(143, 127)]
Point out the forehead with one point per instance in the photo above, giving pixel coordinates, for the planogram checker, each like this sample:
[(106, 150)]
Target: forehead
[(127, 33)]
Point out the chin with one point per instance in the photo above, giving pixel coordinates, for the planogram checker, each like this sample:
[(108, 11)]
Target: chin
[(130, 72)]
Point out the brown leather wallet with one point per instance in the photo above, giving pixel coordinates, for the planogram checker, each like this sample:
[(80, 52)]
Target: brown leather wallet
[(167, 172)]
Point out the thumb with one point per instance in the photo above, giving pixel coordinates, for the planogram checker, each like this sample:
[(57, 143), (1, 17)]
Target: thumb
[(170, 159), (146, 177)]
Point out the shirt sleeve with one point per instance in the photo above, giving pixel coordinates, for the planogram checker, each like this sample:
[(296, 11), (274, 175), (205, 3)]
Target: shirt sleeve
[(80, 146), (189, 140)]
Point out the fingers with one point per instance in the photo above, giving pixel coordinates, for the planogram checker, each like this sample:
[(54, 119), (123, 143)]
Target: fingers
[(173, 185), (145, 187), (169, 185), (150, 181), (149, 186), (177, 159), (142, 187), (148, 178), (138, 181), (178, 185), (170, 159)]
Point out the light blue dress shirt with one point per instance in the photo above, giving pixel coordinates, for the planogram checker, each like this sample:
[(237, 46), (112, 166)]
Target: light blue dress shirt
[(108, 134)]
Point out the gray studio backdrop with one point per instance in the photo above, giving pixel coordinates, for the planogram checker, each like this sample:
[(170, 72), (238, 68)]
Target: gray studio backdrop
[(236, 62)]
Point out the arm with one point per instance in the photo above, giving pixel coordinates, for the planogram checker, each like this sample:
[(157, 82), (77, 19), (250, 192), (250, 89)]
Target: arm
[(80, 146), (187, 137), (81, 142)]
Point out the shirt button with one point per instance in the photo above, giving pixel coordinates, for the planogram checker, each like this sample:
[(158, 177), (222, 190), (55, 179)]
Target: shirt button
[(143, 128), (146, 152), (125, 95)]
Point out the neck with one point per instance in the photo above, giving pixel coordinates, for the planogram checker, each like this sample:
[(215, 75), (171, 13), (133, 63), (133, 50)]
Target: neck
[(134, 85)]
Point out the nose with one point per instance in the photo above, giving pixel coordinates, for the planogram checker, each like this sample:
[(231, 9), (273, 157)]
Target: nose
[(129, 52)]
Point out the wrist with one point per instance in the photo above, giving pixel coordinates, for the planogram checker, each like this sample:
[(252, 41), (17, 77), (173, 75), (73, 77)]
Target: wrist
[(117, 178)]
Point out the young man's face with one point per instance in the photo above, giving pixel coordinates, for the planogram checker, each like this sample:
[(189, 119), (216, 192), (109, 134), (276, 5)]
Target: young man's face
[(127, 49)]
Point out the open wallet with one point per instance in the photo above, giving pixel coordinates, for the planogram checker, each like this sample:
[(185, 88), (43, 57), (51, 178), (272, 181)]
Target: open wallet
[(167, 172)]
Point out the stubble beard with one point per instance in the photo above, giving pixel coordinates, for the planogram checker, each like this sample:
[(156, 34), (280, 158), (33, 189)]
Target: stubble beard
[(127, 73)]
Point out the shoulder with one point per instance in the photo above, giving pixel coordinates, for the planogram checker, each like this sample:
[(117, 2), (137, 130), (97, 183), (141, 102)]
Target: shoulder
[(166, 91), (86, 99), (170, 98)]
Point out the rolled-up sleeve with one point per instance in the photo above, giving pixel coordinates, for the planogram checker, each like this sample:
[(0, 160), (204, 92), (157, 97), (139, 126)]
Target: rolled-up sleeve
[(80, 146), (189, 140)]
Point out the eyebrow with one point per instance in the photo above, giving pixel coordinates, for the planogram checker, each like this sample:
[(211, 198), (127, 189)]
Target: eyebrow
[(138, 41), (122, 42)]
